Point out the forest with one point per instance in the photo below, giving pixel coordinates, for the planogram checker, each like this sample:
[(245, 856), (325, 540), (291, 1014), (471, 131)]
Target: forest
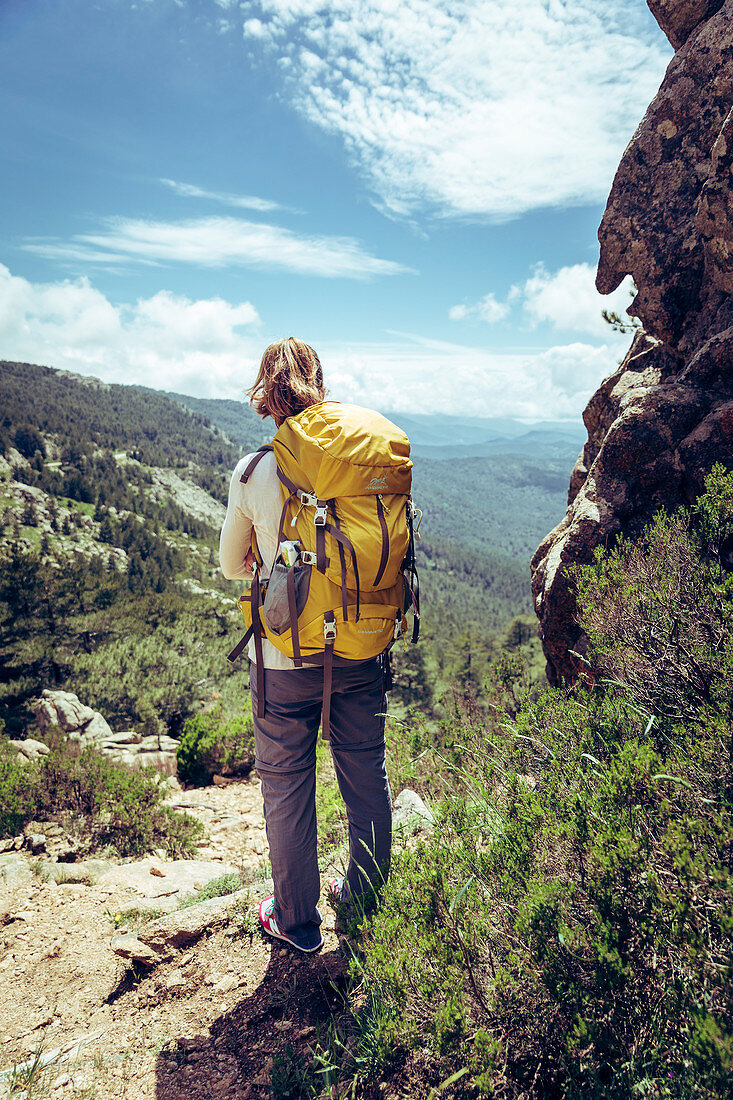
[(95, 555)]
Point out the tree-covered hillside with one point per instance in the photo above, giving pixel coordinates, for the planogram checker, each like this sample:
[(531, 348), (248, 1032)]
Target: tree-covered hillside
[(112, 499), (78, 412)]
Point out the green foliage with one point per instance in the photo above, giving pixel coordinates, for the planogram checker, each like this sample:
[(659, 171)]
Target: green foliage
[(212, 744), (88, 414), (215, 888), (145, 662), (291, 1078), (657, 610), (112, 804), (566, 930), (15, 788)]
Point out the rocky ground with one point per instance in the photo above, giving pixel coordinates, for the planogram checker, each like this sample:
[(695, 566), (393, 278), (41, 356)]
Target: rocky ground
[(205, 1020)]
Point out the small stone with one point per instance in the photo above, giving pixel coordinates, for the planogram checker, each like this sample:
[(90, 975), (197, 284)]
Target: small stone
[(229, 981), (306, 1033), (175, 980), (36, 842), (60, 1081), (128, 946), (154, 870)]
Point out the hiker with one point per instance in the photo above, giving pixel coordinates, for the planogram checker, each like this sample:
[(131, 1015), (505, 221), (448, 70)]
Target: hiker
[(287, 719)]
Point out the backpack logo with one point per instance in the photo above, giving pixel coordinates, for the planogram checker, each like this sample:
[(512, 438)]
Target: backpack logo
[(377, 483)]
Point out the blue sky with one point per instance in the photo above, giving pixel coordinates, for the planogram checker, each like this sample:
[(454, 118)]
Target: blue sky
[(414, 188)]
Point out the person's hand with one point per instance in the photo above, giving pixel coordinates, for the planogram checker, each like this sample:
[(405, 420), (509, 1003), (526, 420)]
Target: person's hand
[(249, 561)]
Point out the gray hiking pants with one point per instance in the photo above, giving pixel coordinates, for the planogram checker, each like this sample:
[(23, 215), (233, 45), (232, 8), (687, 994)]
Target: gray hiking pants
[(285, 759)]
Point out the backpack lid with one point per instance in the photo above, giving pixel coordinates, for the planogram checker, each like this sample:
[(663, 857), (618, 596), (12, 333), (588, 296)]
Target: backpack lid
[(343, 450)]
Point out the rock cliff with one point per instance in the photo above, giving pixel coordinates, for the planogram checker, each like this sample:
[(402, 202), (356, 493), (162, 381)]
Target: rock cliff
[(657, 425)]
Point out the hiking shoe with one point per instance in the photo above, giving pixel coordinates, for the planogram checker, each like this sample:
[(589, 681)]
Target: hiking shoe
[(307, 939), (336, 889)]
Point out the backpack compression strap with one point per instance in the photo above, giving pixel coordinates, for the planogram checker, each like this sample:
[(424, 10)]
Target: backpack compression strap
[(329, 635), (257, 625)]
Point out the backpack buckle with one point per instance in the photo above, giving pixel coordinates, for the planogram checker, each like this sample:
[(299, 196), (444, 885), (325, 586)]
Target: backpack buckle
[(321, 515), (329, 632), (308, 557), (307, 498)]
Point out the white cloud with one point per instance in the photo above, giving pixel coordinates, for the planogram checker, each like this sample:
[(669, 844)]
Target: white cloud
[(244, 202), (220, 242), (166, 341), (254, 28), (568, 299), (471, 108), (488, 309), (212, 348), (432, 376)]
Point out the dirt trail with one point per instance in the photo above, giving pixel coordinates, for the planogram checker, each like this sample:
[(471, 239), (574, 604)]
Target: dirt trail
[(204, 1024)]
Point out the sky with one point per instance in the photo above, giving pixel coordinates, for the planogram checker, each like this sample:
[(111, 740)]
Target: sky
[(411, 186)]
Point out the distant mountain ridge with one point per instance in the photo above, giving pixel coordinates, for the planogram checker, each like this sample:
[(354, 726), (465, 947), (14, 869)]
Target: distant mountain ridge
[(432, 435)]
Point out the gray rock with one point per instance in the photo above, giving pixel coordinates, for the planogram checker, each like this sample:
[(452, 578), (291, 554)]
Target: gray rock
[(182, 927), (178, 879), (95, 730), (409, 813), (36, 842), (665, 416), (163, 761), (155, 743), (30, 748), (128, 946), (61, 709), (126, 737), (86, 873), (14, 870)]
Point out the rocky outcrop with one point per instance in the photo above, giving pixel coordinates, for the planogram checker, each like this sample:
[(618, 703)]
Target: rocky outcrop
[(62, 712), (162, 938), (658, 424)]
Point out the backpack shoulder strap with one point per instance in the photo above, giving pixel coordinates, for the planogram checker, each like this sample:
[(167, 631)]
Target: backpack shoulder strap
[(256, 457)]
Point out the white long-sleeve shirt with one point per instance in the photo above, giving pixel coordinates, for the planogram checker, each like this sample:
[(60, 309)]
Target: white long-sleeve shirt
[(258, 505)]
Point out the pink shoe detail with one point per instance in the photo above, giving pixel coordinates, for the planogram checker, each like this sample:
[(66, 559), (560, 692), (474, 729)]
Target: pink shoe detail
[(271, 927)]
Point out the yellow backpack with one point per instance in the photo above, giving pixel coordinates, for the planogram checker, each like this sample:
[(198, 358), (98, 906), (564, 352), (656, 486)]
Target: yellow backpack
[(347, 530)]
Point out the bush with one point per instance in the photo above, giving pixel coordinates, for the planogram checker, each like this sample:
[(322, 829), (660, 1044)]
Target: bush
[(211, 744), (567, 930), (118, 807)]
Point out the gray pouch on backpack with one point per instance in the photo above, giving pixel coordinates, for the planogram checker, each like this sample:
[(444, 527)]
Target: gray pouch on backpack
[(276, 606)]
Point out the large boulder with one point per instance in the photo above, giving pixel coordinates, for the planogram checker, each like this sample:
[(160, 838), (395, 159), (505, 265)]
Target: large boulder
[(62, 710), (659, 423)]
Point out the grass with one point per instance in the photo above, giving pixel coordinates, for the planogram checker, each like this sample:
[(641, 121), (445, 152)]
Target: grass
[(215, 888), (134, 918)]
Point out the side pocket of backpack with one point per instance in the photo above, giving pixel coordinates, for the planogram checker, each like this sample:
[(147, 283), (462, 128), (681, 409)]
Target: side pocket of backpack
[(276, 608)]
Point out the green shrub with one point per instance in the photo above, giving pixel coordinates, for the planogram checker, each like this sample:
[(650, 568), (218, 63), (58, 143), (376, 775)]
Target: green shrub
[(211, 744), (119, 807), (567, 930), (15, 785)]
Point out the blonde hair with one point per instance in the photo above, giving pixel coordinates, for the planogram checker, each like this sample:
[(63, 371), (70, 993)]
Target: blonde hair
[(290, 379)]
